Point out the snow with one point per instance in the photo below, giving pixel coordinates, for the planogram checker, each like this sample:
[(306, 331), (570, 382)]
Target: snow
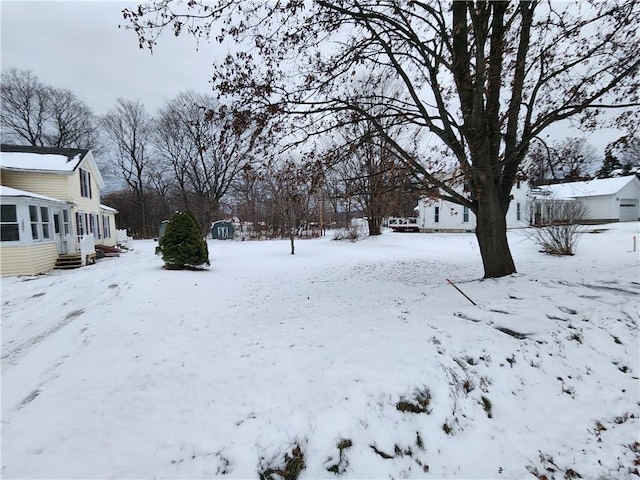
[(125, 370), (14, 192), (590, 188), (108, 209), (38, 162)]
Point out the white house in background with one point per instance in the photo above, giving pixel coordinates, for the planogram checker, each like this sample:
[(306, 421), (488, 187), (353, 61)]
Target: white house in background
[(437, 215), (51, 212), (606, 199)]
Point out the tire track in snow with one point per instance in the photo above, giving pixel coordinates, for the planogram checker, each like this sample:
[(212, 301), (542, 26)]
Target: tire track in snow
[(16, 351), (29, 343)]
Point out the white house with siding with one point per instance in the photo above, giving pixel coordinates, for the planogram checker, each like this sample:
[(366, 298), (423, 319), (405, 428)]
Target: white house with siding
[(606, 199), (437, 215), (51, 209)]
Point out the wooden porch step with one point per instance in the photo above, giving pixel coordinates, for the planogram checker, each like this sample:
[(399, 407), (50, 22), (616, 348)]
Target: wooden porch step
[(68, 261)]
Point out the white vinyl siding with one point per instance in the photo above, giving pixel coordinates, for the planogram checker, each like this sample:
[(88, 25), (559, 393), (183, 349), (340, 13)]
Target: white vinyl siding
[(27, 260)]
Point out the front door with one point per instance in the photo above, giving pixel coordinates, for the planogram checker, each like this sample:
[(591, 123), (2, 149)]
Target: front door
[(58, 228)]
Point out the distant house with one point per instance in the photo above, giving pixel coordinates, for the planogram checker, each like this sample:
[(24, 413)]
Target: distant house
[(606, 199), (437, 215), (51, 210)]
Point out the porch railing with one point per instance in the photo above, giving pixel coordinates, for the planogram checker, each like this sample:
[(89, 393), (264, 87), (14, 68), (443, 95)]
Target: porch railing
[(122, 239), (87, 247)]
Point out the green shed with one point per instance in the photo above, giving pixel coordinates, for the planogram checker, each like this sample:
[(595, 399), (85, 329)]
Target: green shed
[(222, 230)]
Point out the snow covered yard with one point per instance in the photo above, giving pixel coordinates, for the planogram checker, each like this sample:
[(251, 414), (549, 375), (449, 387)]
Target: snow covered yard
[(347, 360)]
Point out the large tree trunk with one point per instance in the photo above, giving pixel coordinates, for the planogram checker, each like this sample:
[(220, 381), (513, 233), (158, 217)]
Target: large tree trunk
[(491, 232), (375, 223)]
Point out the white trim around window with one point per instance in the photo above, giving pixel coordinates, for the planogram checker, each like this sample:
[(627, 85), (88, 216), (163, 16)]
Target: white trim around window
[(26, 221)]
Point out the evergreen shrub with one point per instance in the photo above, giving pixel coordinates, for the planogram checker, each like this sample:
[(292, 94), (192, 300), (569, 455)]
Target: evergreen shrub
[(182, 244)]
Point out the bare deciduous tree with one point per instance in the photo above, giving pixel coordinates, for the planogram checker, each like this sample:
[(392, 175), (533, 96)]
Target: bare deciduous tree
[(290, 187), (249, 194), (371, 173), (567, 160), (72, 121), (205, 145), (483, 78), (37, 114), (622, 157), (574, 159), (128, 127)]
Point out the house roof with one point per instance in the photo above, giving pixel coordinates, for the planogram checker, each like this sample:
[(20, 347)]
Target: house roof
[(106, 208), (590, 188), (26, 158), (14, 192)]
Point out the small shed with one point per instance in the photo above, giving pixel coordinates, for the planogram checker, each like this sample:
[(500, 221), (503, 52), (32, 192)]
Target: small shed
[(222, 230)]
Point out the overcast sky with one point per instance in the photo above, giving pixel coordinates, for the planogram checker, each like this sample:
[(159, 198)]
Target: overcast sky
[(78, 45)]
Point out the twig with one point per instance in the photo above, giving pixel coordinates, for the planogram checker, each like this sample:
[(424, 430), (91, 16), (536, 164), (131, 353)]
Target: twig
[(456, 287)]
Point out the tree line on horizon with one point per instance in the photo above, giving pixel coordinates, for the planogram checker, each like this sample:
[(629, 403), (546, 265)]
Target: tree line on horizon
[(203, 156), (192, 156)]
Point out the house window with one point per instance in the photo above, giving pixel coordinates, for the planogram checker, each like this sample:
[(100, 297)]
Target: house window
[(106, 227), (436, 217), (9, 229), (465, 214), (518, 184), (40, 219), (66, 222), (518, 212), (33, 215), (80, 225), (85, 183), (93, 226), (46, 225)]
